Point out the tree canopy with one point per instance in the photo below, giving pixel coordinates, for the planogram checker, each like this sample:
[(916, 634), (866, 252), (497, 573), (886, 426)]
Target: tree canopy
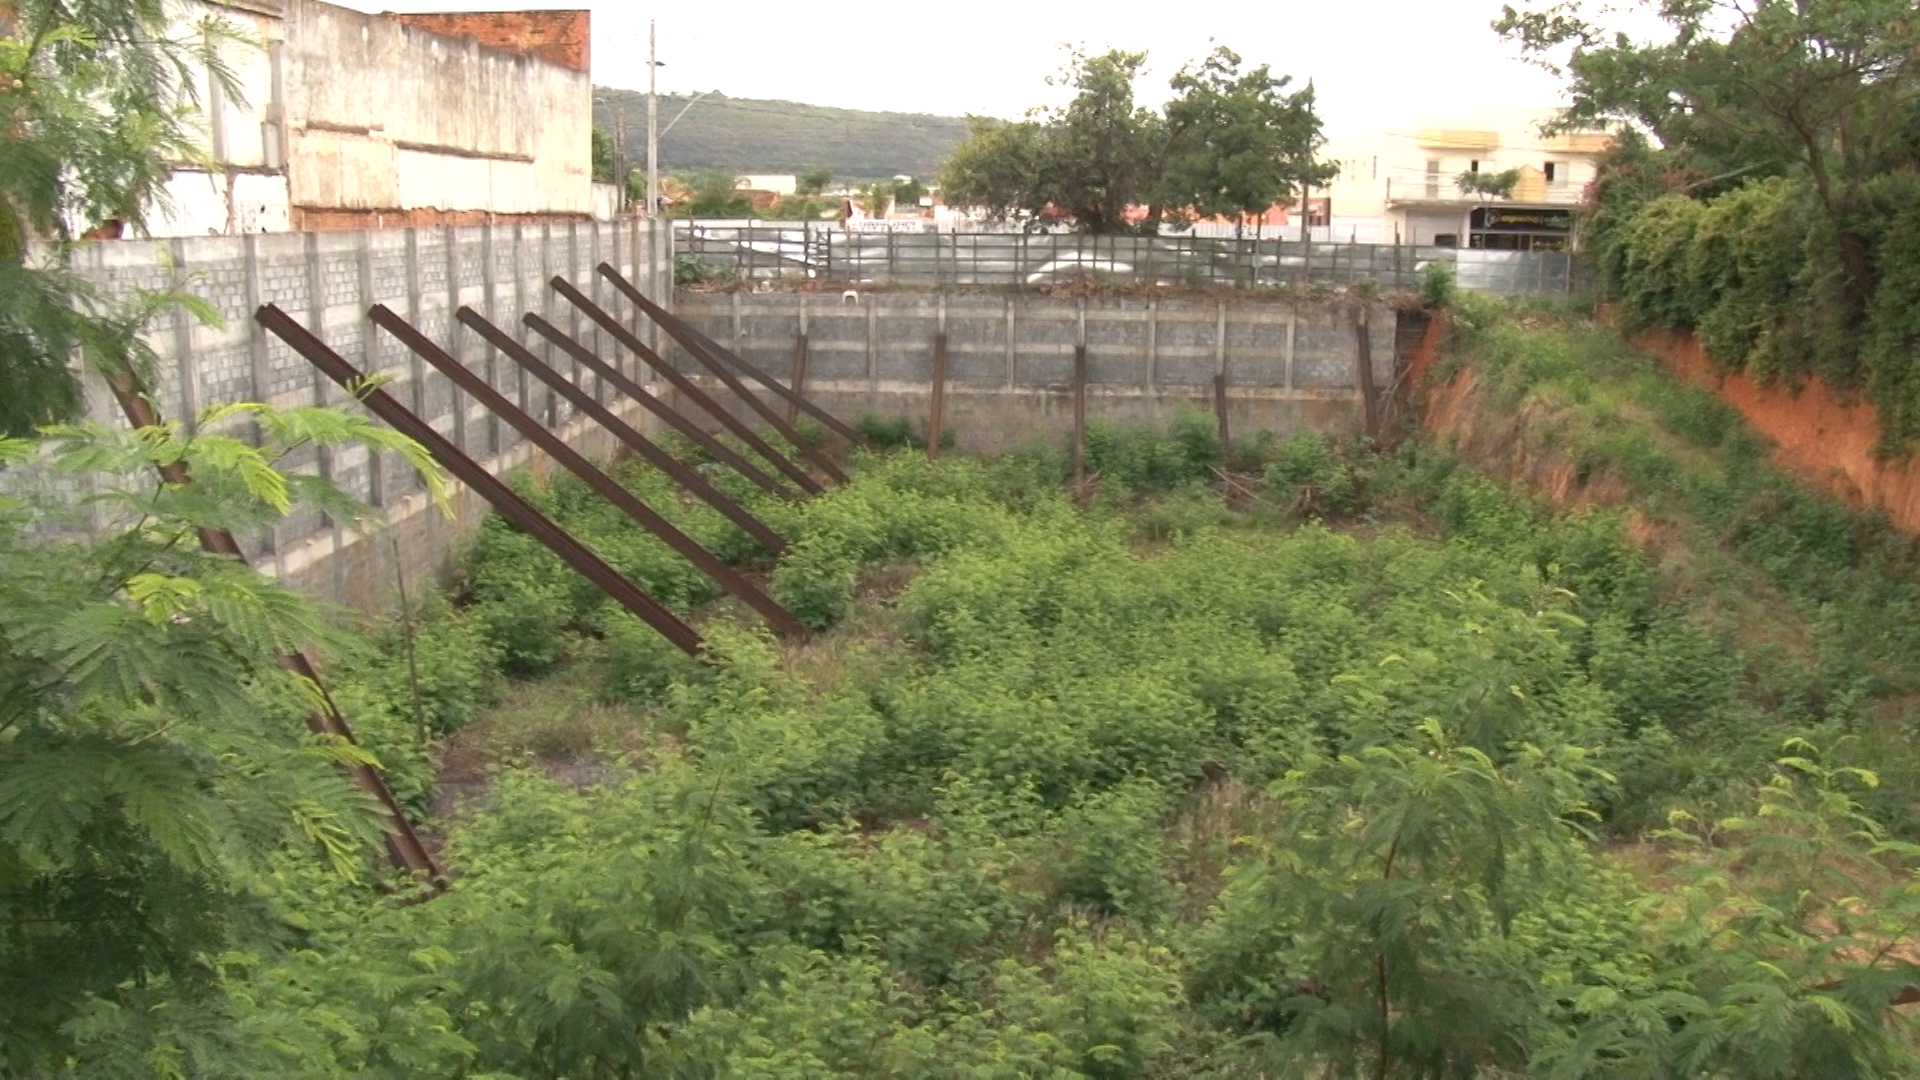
[(1229, 142), (1770, 204), (1237, 143), (99, 100)]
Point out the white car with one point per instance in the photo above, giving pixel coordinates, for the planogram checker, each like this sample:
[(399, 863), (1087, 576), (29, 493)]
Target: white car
[(1092, 263)]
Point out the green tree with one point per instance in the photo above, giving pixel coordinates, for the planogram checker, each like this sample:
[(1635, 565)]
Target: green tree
[(603, 165), (877, 198), (1229, 139), (152, 753), (1488, 185), (1000, 168), (100, 108), (1381, 925), (1088, 161), (813, 180), (715, 195), (1825, 89)]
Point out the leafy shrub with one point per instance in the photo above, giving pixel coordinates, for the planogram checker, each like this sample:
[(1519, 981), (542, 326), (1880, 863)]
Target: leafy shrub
[(640, 664), (1439, 285), (1139, 458), (1309, 475)]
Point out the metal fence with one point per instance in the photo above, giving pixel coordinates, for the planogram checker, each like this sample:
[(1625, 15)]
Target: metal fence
[(803, 251)]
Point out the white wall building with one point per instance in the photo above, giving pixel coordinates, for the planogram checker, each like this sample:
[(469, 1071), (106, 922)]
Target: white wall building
[(352, 120), (1400, 184)]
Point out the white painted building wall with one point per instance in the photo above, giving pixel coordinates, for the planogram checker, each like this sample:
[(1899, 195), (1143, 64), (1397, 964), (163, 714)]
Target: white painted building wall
[(342, 111)]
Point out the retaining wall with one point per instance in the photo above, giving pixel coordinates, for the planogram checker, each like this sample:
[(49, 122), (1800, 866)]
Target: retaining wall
[(1290, 366), (327, 281)]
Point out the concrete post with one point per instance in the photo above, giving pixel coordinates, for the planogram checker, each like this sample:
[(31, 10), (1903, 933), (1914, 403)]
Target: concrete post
[(1013, 351), (1293, 321), (523, 391), (456, 337), (416, 386), (369, 356), (596, 290), (873, 351), (183, 356), (488, 306), (550, 409), (1153, 345)]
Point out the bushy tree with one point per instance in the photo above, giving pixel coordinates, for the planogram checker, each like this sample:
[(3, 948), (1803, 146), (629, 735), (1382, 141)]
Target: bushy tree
[(813, 180), (152, 752), (1232, 139), (1824, 89), (1488, 185), (1086, 162), (99, 100)]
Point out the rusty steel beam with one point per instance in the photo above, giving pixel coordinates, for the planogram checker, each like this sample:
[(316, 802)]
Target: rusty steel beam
[(404, 847), (667, 413), (468, 471), (685, 475), (708, 359), (576, 463), (681, 330), (686, 388)]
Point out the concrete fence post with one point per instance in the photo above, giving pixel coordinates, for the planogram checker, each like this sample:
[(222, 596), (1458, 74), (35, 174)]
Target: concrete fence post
[(596, 289), (550, 407), (456, 338), (183, 352), (873, 349), (1293, 321), (488, 305), (1012, 343), (523, 388), (1153, 347), (369, 355)]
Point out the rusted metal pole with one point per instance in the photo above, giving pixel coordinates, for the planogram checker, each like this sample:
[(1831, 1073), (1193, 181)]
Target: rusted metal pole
[(469, 472), (648, 451), (1079, 420), (685, 387), (798, 379), (667, 413), (1220, 412), (936, 408), (404, 848), (684, 332), (576, 463), (706, 359)]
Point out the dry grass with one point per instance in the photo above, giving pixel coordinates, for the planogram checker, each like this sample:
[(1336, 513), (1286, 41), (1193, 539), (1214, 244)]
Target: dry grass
[(1213, 831), (555, 724)]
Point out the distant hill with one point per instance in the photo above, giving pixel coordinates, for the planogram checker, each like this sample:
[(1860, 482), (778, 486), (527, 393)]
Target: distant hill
[(753, 136)]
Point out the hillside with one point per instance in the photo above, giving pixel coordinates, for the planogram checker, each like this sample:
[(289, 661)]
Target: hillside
[(752, 135)]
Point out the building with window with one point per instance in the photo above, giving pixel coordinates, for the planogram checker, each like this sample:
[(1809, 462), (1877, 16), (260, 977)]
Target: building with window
[(1402, 184)]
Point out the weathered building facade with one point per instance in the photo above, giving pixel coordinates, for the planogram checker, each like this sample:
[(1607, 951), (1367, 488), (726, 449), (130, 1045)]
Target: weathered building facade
[(352, 120)]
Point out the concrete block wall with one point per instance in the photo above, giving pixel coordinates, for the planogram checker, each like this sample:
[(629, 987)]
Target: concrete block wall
[(1290, 365), (327, 281)]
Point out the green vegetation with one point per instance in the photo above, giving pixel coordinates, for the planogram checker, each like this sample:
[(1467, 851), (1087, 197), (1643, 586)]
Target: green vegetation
[(1229, 143), (98, 101), (1776, 215), (747, 135), (1488, 185), (1352, 762)]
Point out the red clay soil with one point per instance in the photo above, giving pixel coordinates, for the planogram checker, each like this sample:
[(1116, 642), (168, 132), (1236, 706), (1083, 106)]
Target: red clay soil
[(1816, 435)]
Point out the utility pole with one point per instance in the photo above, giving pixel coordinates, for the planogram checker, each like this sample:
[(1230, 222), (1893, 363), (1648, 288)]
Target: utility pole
[(653, 125)]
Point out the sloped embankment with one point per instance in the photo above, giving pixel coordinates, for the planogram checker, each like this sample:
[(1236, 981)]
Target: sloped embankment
[(1818, 434)]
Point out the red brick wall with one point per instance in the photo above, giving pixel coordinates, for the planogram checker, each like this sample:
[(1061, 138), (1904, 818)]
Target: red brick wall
[(558, 37)]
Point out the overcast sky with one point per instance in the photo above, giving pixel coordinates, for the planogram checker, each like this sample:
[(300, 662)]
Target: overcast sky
[(1376, 63)]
